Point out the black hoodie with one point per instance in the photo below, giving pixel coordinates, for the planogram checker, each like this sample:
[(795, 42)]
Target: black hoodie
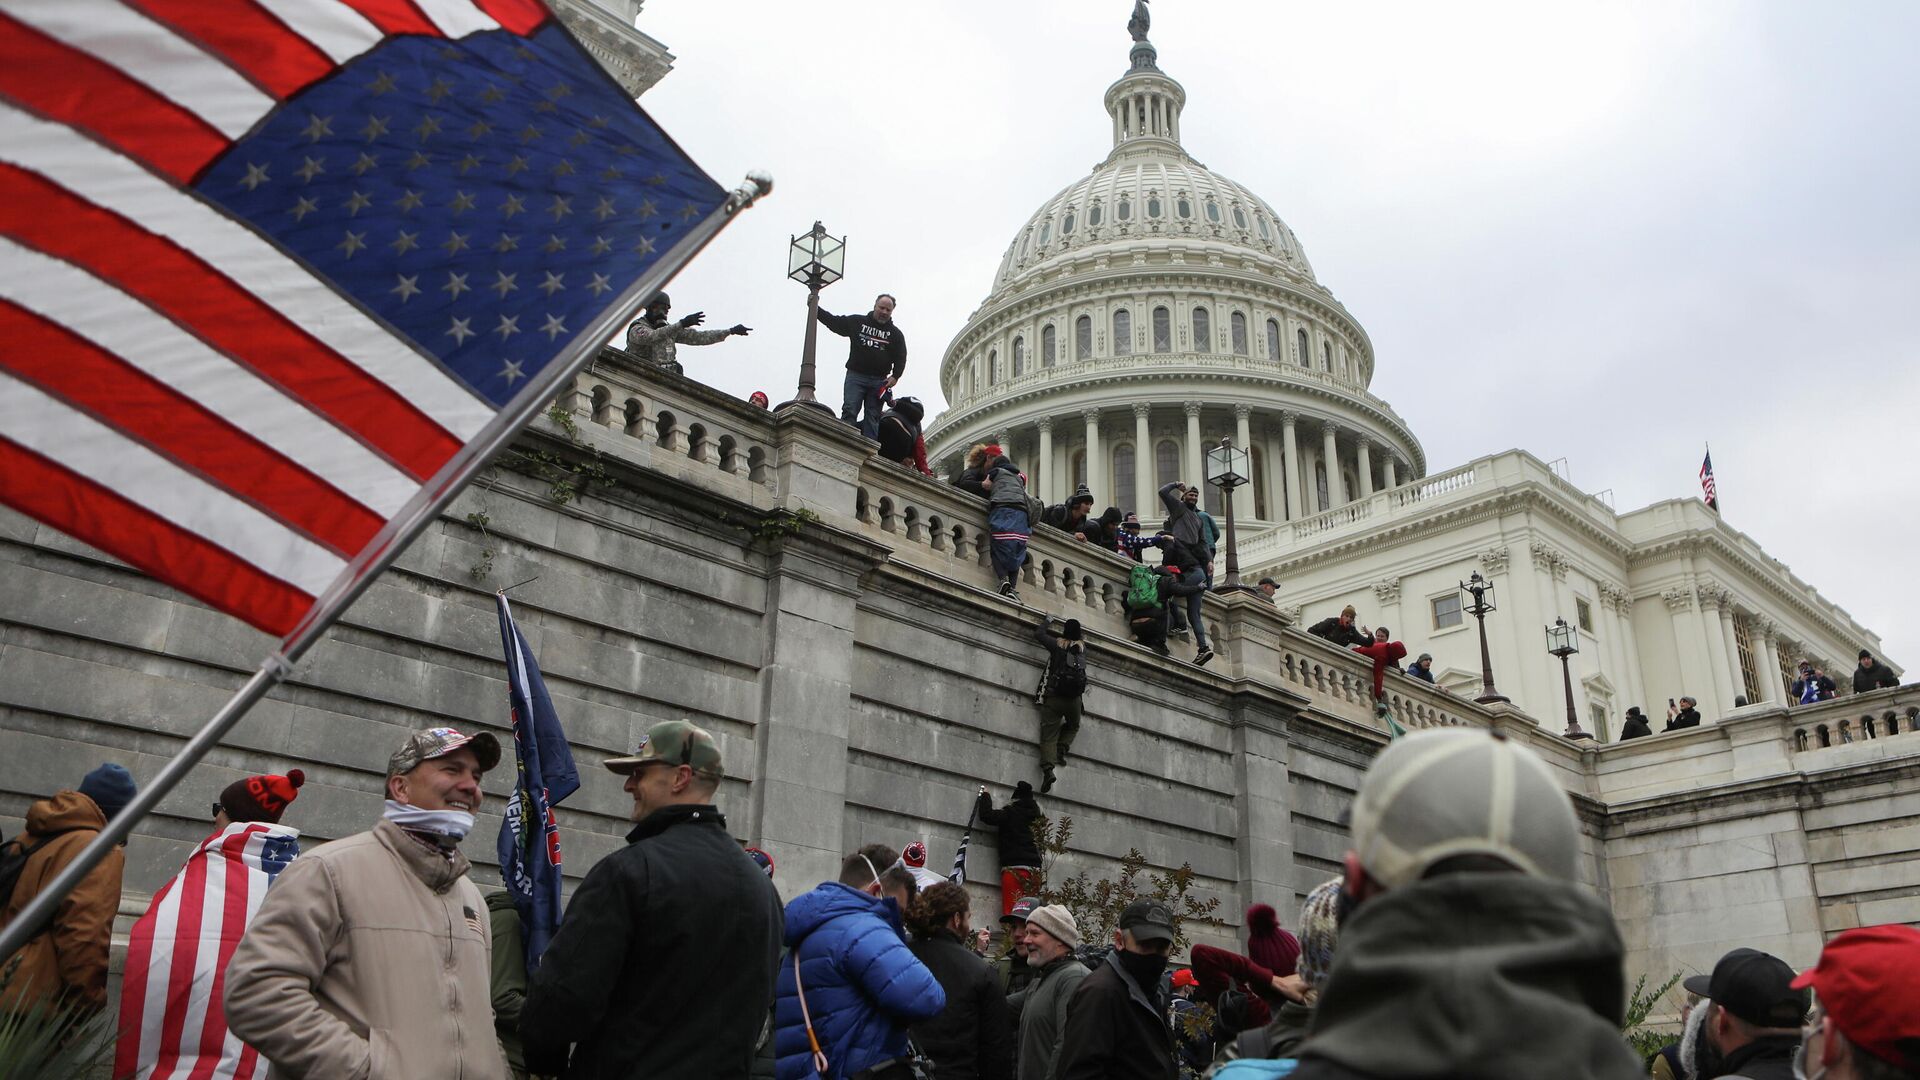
[(1018, 847), (1492, 976), (1877, 677)]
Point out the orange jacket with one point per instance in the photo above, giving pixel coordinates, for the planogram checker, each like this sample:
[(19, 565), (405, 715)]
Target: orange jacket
[(70, 956)]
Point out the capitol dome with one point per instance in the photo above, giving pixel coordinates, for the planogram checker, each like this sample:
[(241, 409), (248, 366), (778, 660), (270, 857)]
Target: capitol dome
[(1150, 309)]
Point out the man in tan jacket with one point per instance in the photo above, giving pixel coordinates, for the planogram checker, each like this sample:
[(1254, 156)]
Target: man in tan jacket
[(369, 957)]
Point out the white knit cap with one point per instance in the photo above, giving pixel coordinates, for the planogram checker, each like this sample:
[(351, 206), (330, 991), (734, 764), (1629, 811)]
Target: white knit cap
[(1058, 921), (1437, 794)]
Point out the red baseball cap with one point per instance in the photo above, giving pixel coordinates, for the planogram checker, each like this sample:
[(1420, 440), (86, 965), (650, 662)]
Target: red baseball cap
[(1184, 977), (1868, 980)]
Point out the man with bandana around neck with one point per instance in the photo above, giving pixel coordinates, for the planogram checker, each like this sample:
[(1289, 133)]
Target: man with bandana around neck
[(1117, 1020), (369, 957)]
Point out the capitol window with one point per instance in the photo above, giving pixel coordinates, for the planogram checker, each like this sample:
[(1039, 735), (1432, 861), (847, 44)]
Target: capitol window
[(1239, 218), (1123, 211), (1446, 611), (1162, 330), (1066, 224), (1213, 211), (1166, 462), (1583, 614), (1326, 355), (1019, 356), (1239, 324), (1122, 333), (1261, 220), (1046, 232), (1083, 338), (1093, 216), (1049, 345), (1306, 352), (1273, 341), (1153, 206), (1183, 207), (1202, 331), (1123, 474), (993, 366)]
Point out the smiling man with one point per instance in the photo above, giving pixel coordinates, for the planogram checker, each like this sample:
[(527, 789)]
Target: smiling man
[(664, 963), (369, 956)]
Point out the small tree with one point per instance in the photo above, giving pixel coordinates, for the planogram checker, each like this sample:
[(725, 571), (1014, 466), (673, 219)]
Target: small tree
[(1640, 1003), (1096, 903)]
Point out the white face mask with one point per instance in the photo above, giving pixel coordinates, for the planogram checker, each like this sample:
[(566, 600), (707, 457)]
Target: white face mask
[(1800, 1052), (452, 824)]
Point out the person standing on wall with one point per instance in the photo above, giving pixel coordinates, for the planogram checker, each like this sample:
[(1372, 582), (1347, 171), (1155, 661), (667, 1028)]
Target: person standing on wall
[(876, 358)]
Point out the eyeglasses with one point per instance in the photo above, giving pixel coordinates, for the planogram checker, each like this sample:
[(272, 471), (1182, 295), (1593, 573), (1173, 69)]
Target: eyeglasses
[(217, 809)]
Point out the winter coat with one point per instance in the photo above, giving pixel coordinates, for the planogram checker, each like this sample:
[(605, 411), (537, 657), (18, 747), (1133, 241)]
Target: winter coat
[(899, 436), (1877, 677), (970, 480), (1686, 718), (369, 958), (1493, 976), (1056, 516), (1043, 1016), (1007, 489), (863, 985), (1769, 1057), (1343, 636), (680, 897), (1635, 727), (1015, 824), (656, 344), (1115, 1031), (1425, 675), (1813, 688), (70, 955), (972, 1038), (874, 348), (1183, 521)]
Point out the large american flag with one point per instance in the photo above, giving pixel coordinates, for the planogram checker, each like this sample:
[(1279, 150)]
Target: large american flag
[(1707, 491), (172, 1021), (274, 274)]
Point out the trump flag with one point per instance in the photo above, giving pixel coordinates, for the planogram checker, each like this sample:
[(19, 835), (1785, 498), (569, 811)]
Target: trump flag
[(544, 775), (276, 276)]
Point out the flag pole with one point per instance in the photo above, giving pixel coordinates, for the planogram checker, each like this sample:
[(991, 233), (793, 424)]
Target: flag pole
[(419, 512)]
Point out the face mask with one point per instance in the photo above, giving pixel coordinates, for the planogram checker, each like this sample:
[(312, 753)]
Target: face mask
[(1800, 1052), (452, 824), (1145, 969)]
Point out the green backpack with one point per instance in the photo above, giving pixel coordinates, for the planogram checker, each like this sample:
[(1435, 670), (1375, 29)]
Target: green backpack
[(1143, 590)]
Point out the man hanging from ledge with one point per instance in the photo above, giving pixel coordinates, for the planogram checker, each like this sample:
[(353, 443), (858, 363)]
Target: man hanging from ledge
[(654, 339), (1019, 846), (1062, 685)]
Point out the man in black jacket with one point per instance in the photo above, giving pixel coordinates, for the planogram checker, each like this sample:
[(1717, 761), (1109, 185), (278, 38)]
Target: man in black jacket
[(899, 434), (1753, 1017), (1636, 725), (665, 961), (1019, 847), (876, 358), (1117, 1022), (1341, 629), (1683, 715), (972, 1038), (1071, 517), (1062, 686), (1872, 675)]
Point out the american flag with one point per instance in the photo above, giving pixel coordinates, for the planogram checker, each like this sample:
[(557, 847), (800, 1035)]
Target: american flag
[(1706, 483), (172, 1022), (276, 275)]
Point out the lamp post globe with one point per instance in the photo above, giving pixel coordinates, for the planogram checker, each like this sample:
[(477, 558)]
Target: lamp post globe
[(1227, 468), (1482, 592), (1563, 641), (816, 260)]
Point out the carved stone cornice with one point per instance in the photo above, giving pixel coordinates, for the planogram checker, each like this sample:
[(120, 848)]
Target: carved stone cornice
[(1045, 423), (1289, 417), (1387, 590), (1494, 561), (1615, 597), (1549, 560), (1192, 408), (1766, 628), (1142, 409), (1242, 410), (1091, 416), (1679, 598), (1292, 613), (1713, 597)]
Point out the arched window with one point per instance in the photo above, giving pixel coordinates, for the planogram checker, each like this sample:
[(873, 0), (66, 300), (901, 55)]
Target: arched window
[(1083, 338), (1259, 484), (1026, 244), (1046, 232), (1122, 333), (1166, 462), (1326, 353), (1093, 216), (1049, 345), (1183, 208), (1306, 352), (1123, 474), (1239, 326), (1202, 331), (1162, 330), (1213, 211), (1124, 210), (1066, 224), (1320, 484), (993, 366), (1261, 220), (1079, 467), (1273, 340), (1153, 206), (1239, 218), (1019, 356)]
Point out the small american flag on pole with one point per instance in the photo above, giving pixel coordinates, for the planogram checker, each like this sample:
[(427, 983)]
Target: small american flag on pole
[(1707, 491)]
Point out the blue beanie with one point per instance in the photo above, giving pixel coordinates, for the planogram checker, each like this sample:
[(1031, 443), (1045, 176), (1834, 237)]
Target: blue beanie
[(110, 787)]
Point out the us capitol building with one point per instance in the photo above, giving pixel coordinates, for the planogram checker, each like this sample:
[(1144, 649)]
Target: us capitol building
[(1153, 307)]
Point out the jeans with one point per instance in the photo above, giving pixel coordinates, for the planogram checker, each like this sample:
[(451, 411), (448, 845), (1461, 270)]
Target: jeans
[(1195, 620), (862, 390), (1059, 723)]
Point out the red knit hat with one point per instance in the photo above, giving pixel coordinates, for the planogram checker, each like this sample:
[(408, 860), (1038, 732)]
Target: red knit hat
[(261, 798)]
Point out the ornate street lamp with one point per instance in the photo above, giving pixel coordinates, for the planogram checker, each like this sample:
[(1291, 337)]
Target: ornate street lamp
[(815, 260), (1482, 592), (1227, 468), (1563, 642)]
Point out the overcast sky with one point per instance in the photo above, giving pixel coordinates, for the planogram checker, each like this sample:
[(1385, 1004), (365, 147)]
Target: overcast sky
[(1610, 233)]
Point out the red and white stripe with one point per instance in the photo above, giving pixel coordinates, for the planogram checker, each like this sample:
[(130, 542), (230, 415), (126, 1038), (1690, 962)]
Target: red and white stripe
[(172, 1024), (174, 389)]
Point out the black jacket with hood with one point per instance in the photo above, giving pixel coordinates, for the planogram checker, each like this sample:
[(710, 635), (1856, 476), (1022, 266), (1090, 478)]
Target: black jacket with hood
[(972, 1038), (1491, 976), (1877, 677), (1115, 1031), (1015, 824), (1330, 629)]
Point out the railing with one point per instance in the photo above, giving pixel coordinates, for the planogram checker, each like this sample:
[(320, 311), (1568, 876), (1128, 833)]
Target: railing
[(1432, 487), (1341, 683), (1328, 520), (1861, 718)]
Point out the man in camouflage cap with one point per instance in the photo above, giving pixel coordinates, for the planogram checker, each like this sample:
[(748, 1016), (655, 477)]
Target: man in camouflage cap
[(665, 960)]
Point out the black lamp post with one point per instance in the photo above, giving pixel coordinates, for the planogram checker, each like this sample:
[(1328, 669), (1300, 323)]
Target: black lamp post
[(1482, 592), (815, 260), (1563, 642), (1227, 468)]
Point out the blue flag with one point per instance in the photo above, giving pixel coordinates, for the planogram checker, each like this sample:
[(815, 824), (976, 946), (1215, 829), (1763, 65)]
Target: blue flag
[(544, 776)]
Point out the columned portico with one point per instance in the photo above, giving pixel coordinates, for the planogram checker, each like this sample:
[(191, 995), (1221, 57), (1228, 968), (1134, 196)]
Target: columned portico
[(1365, 472), (1242, 437), (1044, 471), (1142, 453), (1330, 458), (1096, 461), (1290, 465)]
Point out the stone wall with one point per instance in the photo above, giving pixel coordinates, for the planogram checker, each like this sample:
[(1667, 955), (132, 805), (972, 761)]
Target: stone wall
[(831, 618)]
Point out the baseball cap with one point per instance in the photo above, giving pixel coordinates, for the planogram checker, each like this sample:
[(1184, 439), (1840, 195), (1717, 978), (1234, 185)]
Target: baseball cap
[(1185, 977), (438, 742), (1435, 795), (1867, 980), (676, 742), (1022, 908), (1756, 987), (1149, 920)]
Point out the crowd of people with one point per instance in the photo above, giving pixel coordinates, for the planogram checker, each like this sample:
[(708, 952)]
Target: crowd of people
[(1457, 941)]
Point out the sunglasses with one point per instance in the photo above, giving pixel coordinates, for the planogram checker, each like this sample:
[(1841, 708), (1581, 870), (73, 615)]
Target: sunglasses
[(217, 808)]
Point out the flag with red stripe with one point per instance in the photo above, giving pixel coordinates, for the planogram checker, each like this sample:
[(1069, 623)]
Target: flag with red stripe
[(172, 1023), (276, 275), (1707, 490)]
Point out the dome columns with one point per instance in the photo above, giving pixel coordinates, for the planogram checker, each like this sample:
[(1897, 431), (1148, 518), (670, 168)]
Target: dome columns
[(1043, 469)]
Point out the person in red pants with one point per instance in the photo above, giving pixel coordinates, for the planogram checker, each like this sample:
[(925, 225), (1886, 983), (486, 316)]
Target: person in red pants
[(1019, 845)]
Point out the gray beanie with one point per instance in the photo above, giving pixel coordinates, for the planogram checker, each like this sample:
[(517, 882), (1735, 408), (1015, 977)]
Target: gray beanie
[(1058, 921)]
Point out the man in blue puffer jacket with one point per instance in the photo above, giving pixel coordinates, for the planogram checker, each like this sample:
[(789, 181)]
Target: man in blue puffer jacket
[(863, 986)]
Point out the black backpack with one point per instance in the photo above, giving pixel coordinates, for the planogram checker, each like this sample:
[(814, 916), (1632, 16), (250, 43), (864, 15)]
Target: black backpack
[(14, 855), (1071, 679)]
